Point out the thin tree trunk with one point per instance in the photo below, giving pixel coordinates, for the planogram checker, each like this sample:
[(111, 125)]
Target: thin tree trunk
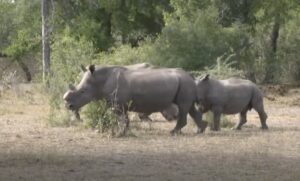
[(45, 39), (271, 62), (249, 63), (275, 34)]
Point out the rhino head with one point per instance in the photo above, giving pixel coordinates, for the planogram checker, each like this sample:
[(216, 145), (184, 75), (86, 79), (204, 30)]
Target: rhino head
[(85, 91)]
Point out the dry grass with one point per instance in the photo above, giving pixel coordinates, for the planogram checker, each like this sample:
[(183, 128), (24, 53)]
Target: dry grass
[(30, 150)]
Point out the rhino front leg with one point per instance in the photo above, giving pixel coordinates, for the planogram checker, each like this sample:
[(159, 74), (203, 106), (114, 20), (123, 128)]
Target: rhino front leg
[(197, 117)]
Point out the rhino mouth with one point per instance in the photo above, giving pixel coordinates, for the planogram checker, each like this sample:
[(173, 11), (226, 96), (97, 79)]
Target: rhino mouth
[(74, 110)]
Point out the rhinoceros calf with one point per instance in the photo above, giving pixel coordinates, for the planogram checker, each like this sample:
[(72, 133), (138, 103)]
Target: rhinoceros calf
[(141, 90), (230, 96)]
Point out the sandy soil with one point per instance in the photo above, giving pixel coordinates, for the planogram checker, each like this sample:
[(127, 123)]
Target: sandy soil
[(32, 150)]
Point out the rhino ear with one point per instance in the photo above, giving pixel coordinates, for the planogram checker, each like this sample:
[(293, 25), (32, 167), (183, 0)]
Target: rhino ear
[(92, 68), (71, 87), (82, 68), (206, 77)]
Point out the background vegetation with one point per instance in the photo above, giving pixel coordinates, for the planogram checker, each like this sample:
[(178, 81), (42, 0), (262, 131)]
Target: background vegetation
[(256, 39)]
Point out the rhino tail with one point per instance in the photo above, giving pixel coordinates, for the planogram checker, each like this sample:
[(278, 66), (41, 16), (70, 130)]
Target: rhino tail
[(250, 105)]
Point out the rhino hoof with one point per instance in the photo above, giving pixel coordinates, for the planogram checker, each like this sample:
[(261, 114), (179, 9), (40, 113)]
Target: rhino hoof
[(215, 129), (203, 127), (237, 128), (120, 135), (264, 127), (175, 132)]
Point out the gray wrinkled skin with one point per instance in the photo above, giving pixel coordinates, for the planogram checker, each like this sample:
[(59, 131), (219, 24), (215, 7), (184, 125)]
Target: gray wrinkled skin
[(230, 96), (141, 90), (170, 113)]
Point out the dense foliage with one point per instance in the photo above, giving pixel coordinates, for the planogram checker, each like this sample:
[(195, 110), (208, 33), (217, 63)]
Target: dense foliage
[(192, 34)]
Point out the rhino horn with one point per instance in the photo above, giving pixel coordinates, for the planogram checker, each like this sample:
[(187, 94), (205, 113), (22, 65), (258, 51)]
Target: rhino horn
[(82, 68)]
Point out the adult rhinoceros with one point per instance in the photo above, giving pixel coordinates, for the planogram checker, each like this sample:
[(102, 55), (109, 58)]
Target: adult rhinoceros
[(230, 96), (141, 90), (170, 113)]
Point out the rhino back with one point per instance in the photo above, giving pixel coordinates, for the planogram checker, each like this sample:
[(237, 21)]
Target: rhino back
[(150, 90)]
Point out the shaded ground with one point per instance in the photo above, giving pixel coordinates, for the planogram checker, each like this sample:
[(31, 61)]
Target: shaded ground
[(31, 150)]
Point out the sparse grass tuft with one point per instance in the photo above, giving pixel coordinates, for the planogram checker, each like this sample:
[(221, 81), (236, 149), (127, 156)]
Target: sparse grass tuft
[(224, 123), (59, 118)]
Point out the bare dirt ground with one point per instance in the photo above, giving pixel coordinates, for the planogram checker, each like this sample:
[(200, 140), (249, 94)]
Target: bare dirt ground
[(32, 150)]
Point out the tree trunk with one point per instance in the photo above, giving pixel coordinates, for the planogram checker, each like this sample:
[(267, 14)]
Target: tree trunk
[(275, 34), (45, 39), (249, 62), (271, 62)]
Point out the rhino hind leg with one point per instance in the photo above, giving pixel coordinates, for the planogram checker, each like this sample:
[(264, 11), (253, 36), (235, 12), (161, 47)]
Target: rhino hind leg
[(170, 113), (259, 108), (181, 122), (242, 121), (263, 118)]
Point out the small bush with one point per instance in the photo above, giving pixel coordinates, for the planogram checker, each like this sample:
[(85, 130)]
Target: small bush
[(98, 115)]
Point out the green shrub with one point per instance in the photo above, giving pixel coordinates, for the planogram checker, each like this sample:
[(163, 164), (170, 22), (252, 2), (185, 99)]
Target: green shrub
[(98, 115), (193, 43)]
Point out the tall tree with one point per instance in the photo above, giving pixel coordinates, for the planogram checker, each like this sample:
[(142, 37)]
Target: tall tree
[(45, 39), (20, 33)]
